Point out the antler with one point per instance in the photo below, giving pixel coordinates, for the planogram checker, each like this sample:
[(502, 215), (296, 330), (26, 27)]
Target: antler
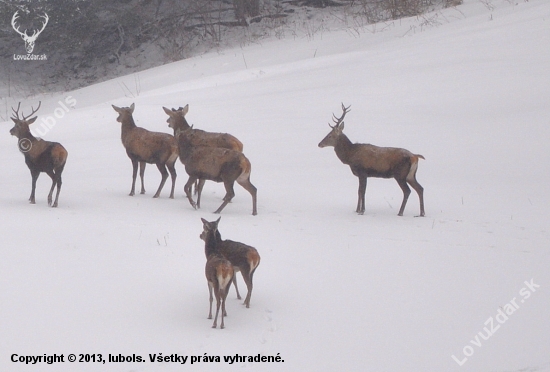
[(33, 111), (16, 112), (15, 27), (35, 33), (336, 120)]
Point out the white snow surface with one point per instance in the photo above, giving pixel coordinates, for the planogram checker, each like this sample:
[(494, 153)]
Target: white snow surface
[(106, 273)]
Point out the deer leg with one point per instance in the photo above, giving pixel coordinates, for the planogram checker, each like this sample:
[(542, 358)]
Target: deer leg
[(141, 175), (211, 299), (59, 182), (235, 283), (34, 175), (197, 187), (54, 182), (247, 276), (217, 291), (229, 194), (361, 195), (420, 191), (187, 189), (406, 193), (134, 175), (224, 296), (173, 176), (244, 181), (164, 173), (198, 190)]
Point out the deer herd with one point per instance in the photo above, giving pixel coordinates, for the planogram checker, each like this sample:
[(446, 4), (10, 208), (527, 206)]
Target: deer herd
[(216, 157)]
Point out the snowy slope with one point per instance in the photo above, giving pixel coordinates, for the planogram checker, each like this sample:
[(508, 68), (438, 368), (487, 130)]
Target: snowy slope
[(111, 274)]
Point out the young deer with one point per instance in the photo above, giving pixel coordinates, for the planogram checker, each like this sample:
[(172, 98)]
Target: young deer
[(219, 274), (367, 160), (143, 146), (178, 123), (40, 155), (215, 164), (244, 258)]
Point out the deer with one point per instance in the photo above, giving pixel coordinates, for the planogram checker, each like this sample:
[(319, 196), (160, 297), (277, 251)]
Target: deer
[(40, 156), (366, 160), (219, 274), (29, 40), (244, 258), (143, 146), (178, 123), (215, 164)]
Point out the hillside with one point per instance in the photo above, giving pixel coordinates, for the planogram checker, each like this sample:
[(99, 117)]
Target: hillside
[(106, 273)]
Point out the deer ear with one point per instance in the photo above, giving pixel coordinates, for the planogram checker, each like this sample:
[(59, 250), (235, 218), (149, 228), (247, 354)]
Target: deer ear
[(117, 109), (218, 220), (32, 120), (132, 107), (204, 221), (341, 127), (185, 109), (167, 111)]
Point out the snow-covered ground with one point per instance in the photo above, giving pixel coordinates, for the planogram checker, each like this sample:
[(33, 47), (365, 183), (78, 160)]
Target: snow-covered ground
[(106, 273)]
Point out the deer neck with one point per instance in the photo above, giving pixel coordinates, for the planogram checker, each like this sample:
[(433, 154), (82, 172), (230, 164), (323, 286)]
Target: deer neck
[(343, 148), (181, 124), (27, 135), (211, 244), (127, 125), (185, 146)]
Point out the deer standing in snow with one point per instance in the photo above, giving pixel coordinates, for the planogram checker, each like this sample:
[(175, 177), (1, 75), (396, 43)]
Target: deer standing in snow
[(178, 123), (244, 258), (215, 164), (143, 146), (366, 160), (219, 273), (40, 155)]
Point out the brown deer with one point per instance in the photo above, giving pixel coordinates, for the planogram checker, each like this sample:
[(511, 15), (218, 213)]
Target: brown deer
[(244, 258), (40, 155), (366, 160), (178, 123), (143, 146), (219, 275), (215, 164)]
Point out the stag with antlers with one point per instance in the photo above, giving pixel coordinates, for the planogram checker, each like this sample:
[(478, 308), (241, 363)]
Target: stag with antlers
[(40, 155), (366, 160), (29, 39)]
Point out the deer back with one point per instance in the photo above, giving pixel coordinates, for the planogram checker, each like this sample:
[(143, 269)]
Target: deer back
[(221, 140), (239, 254), (150, 146), (210, 162), (375, 161)]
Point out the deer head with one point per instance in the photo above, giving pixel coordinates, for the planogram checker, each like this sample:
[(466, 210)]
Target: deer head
[(337, 128), (29, 40), (22, 124), (176, 119), (124, 112)]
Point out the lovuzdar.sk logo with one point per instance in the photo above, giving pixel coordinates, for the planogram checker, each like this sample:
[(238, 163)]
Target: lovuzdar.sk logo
[(29, 39)]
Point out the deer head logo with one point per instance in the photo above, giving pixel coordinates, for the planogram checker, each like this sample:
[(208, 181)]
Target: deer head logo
[(29, 40)]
